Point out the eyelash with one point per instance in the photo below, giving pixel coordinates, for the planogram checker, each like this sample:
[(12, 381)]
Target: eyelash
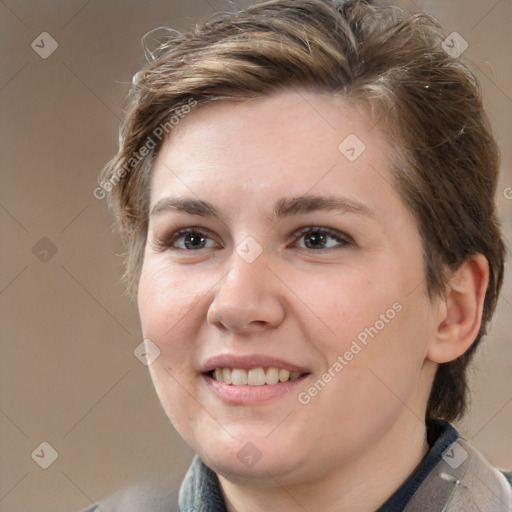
[(166, 243)]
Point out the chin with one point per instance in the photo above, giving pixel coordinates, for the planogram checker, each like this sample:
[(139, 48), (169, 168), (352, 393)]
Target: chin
[(246, 456), (265, 467)]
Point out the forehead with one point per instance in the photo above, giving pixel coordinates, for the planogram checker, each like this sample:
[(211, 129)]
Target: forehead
[(289, 143)]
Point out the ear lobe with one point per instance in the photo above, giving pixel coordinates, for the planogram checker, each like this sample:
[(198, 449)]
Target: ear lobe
[(460, 311)]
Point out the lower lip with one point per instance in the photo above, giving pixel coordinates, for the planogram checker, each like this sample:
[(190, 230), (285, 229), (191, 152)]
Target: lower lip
[(251, 394)]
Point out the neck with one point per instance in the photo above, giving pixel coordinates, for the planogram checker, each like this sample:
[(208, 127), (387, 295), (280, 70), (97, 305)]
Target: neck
[(361, 486)]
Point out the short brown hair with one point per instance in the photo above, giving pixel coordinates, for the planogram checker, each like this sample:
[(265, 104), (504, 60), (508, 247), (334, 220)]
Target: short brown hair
[(445, 159)]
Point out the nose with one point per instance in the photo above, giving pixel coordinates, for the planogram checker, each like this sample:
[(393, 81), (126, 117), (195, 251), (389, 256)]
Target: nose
[(248, 299)]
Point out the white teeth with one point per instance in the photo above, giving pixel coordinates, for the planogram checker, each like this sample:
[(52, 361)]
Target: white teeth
[(284, 375), (238, 377), (272, 376), (254, 376), (226, 375)]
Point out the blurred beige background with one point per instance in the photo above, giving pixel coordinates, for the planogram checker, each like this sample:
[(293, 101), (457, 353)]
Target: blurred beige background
[(68, 373)]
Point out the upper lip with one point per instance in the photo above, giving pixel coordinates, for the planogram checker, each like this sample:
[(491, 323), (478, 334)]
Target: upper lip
[(249, 361)]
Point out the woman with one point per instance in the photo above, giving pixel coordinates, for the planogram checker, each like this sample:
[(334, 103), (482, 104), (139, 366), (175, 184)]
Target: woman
[(305, 190)]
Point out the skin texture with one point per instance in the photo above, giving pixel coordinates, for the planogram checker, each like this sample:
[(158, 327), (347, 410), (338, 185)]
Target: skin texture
[(296, 303)]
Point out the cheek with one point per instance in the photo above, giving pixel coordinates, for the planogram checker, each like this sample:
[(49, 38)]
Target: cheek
[(382, 331), (167, 301), (169, 307), (376, 378), (351, 305), (389, 368)]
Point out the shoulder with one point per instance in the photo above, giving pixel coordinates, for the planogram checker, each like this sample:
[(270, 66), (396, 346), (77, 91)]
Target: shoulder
[(484, 484), (137, 499), (463, 480)]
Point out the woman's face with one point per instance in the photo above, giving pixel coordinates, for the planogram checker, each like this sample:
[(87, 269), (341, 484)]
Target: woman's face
[(298, 259)]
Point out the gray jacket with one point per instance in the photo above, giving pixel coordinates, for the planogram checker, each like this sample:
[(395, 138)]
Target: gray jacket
[(460, 481)]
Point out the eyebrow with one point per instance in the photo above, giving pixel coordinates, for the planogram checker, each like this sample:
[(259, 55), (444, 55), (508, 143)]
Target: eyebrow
[(284, 207)]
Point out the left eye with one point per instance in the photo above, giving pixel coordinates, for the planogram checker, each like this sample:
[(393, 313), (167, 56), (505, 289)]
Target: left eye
[(321, 238)]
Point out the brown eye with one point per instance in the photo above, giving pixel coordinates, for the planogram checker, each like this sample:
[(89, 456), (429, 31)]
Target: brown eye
[(194, 240), (189, 239), (321, 238)]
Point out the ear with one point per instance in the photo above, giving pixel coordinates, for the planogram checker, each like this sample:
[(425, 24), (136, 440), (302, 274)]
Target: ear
[(460, 310)]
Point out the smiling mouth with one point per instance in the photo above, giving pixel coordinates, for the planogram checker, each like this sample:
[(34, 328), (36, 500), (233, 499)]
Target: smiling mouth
[(254, 376)]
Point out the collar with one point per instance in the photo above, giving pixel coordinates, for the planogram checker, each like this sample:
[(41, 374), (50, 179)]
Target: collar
[(201, 490), (440, 435)]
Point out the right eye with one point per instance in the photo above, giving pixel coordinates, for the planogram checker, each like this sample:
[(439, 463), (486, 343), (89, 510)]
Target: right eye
[(188, 239)]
